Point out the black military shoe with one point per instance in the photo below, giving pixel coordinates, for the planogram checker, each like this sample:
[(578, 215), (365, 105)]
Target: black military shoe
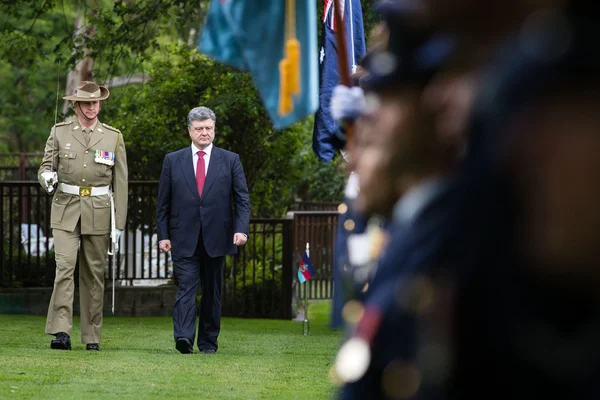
[(92, 346), (62, 341), (208, 351), (184, 345)]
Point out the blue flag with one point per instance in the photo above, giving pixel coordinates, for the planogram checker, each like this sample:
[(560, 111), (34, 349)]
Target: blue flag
[(325, 137), (276, 44)]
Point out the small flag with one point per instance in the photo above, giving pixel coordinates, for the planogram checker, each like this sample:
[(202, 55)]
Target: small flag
[(276, 41), (305, 270), (325, 132)]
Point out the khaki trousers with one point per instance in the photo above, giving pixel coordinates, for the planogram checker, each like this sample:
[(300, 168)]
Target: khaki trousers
[(92, 264)]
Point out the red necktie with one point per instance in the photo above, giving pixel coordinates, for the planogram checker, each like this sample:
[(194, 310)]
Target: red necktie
[(200, 172)]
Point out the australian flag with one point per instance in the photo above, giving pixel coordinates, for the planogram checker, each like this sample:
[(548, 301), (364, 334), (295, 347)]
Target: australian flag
[(326, 140)]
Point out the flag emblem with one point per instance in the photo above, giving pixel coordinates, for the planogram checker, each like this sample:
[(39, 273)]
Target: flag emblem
[(305, 270)]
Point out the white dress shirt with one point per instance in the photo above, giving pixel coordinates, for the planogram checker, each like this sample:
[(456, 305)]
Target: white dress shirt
[(207, 152)]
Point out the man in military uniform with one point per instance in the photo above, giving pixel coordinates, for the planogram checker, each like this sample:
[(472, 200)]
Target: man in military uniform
[(85, 166)]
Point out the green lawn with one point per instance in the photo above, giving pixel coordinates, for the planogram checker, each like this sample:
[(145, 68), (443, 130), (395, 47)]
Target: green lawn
[(257, 359)]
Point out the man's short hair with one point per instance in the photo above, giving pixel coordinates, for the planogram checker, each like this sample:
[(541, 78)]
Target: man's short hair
[(201, 114)]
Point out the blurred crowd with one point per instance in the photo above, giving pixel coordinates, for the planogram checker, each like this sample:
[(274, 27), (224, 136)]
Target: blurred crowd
[(468, 256)]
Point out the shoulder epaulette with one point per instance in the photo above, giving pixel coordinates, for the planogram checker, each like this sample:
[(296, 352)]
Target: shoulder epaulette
[(111, 127), (64, 123)]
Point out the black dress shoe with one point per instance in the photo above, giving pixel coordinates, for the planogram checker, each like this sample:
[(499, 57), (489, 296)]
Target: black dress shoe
[(184, 345), (62, 341), (208, 351), (92, 346)]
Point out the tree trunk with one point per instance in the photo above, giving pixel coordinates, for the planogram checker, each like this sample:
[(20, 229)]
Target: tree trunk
[(83, 70)]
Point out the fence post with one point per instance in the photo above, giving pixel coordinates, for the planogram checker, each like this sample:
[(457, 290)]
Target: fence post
[(23, 177), (288, 268)]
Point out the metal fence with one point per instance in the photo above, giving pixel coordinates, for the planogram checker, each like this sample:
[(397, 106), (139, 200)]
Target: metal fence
[(258, 281), (19, 166), (317, 228), (315, 205)]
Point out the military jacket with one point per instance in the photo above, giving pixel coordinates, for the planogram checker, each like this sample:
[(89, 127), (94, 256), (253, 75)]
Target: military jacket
[(102, 162)]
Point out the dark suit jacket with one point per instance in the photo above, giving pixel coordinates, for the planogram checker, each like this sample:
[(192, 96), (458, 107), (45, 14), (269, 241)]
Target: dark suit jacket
[(223, 209)]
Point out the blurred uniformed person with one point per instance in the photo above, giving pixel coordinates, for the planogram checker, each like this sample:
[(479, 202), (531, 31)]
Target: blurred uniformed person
[(407, 173), (361, 236), (85, 166), (528, 314), (347, 106)]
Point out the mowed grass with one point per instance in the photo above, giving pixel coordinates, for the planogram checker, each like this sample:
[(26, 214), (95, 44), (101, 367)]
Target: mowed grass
[(257, 359)]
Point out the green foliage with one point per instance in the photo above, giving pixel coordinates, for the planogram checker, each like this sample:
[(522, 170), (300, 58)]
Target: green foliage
[(36, 37), (38, 46), (257, 289), (254, 277), (28, 74), (370, 18), (153, 118)]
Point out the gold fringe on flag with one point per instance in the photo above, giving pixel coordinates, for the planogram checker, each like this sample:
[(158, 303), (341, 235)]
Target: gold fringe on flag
[(286, 103), (289, 66)]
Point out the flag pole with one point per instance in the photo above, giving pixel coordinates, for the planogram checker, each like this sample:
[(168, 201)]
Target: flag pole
[(340, 35), (305, 323)]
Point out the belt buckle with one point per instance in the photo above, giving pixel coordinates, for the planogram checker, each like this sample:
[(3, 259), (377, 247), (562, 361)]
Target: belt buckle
[(85, 191)]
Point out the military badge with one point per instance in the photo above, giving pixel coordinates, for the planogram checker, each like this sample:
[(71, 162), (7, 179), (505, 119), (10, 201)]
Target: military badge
[(105, 157)]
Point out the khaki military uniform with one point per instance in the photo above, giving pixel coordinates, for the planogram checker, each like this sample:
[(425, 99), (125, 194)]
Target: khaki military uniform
[(83, 222)]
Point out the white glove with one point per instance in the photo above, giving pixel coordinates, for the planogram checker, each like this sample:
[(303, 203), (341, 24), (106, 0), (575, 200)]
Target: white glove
[(347, 103), (352, 186), (118, 233), (50, 178)]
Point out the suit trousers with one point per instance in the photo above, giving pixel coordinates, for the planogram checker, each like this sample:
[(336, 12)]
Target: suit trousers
[(92, 264), (199, 269)]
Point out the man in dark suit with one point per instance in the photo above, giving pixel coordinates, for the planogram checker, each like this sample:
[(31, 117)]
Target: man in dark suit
[(198, 223)]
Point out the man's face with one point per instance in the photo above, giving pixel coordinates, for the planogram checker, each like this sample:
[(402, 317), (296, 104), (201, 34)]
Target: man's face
[(450, 96), (87, 109), (384, 134), (202, 132), (557, 168)]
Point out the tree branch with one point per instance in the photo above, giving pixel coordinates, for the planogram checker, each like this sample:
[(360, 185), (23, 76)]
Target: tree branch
[(127, 80)]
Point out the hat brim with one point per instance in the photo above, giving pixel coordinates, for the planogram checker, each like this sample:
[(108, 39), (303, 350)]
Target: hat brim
[(104, 93)]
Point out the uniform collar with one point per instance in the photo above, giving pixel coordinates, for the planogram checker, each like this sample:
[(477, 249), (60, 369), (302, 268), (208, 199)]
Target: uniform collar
[(91, 128)]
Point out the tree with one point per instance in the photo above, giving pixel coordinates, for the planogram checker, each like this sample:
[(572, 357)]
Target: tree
[(153, 120), (124, 41), (98, 39)]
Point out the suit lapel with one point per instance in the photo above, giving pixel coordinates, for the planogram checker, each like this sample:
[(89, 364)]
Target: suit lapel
[(78, 133), (187, 167), (214, 167)]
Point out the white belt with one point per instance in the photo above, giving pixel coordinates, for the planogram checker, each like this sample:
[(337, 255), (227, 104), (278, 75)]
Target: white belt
[(83, 191)]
